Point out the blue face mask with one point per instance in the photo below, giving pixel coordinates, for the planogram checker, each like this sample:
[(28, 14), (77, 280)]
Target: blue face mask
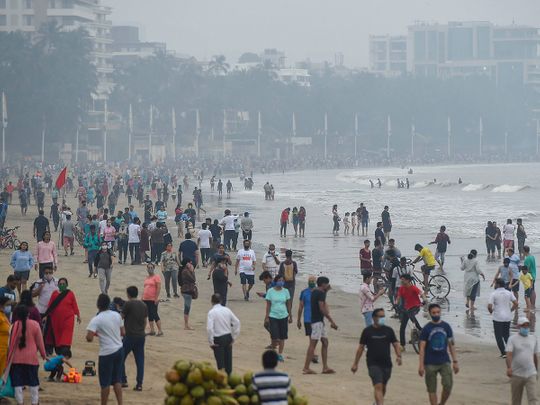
[(382, 321), (436, 318), (280, 284), (524, 331)]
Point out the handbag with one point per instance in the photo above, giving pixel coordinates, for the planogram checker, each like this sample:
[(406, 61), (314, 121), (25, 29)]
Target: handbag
[(195, 292)]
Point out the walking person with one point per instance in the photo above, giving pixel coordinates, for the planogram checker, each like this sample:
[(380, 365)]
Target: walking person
[(135, 315), (378, 338), (92, 243), (22, 262), (220, 280), (436, 342), (442, 240), (283, 221), (223, 328), (522, 363), (103, 261), (471, 281), (151, 291), (188, 288), (288, 269), (270, 260), (501, 304), (107, 326), (169, 266), (246, 261), (367, 299), (411, 298), (122, 241), (319, 311), (134, 240), (530, 263), (46, 254), (386, 222), (278, 314)]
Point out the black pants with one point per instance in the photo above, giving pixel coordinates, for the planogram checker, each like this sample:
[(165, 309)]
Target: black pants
[(247, 235), (134, 344), (157, 249), (223, 352), (228, 237), (122, 249), (405, 316), (134, 253), (283, 229), (502, 332)]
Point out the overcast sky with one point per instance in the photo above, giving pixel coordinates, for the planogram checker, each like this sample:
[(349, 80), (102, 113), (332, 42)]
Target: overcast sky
[(302, 28)]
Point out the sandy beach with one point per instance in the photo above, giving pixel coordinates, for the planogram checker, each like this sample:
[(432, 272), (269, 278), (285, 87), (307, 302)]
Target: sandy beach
[(481, 379)]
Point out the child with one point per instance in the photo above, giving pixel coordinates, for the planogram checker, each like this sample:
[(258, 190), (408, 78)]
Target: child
[(56, 365), (346, 223), (527, 281), (353, 221)]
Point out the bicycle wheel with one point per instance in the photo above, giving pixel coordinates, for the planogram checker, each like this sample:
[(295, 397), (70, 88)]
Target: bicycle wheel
[(415, 340), (9, 243), (439, 286)]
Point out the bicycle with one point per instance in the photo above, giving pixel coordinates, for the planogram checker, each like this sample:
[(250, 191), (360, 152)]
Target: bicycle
[(8, 239), (438, 285)]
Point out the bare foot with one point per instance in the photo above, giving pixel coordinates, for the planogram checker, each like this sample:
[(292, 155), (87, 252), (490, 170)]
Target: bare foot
[(188, 327), (308, 371)]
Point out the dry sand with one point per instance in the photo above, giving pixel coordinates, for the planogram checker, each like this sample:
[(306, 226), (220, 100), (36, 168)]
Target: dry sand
[(481, 379)]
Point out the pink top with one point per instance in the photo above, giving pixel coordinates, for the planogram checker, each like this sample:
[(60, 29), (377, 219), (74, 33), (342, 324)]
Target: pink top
[(150, 288), (46, 253), (108, 233), (34, 343), (366, 298)]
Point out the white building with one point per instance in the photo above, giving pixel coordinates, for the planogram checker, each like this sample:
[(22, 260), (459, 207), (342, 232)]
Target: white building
[(294, 76), (388, 55)]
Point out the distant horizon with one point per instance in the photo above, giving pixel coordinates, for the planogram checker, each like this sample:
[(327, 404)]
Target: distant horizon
[(304, 29)]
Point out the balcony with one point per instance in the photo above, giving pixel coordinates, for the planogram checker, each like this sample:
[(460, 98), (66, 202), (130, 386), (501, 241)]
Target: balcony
[(85, 14)]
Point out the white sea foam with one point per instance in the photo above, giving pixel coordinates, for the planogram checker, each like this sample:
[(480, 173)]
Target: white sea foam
[(475, 187), (507, 188)]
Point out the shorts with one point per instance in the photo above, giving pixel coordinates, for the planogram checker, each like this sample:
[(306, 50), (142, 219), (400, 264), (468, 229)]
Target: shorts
[(279, 328), (508, 243), (431, 377), (307, 328), (365, 223), (110, 368), (247, 279), (379, 375), (318, 331), (515, 288), (68, 241), (440, 256), (152, 311), (23, 275), (427, 269), (528, 292)]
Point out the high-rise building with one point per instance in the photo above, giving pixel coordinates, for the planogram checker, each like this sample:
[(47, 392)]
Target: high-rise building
[(388, 54), (31, 15), (127, 46)]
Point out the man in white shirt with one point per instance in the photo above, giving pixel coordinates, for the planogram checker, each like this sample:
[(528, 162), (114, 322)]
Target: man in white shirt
[(508, 234), (522, 363), (205, 236), (108, 326), (246, 224), (134, 240), (245, 263), (223, 327), (270, 261), (501, 304), (44, 290), (227, 222), (102, 225)]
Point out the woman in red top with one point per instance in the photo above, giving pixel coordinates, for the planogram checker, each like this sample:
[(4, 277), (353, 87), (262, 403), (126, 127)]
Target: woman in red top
[(365, 259), (60, 317)]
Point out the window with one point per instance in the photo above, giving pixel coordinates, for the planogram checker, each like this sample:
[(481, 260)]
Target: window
[(52, 3), (28, 4), (14, 4), (28, 20), (3, 20), (3, 4)]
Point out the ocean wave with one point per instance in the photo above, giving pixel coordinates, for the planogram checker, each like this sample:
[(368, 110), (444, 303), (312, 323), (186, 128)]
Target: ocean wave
[(422, 184), (507, 188), (475, 187)]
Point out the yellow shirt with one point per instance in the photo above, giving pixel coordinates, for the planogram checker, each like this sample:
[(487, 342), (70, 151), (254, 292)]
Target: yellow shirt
[(526, 280), (426, 254)]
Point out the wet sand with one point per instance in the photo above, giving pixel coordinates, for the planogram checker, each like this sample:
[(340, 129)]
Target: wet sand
[(481, 380)]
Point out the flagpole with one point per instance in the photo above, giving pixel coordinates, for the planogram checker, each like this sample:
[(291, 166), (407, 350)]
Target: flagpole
[(4, 126), (293, 130), (413, 134), (325, 135), (150, 134), (259, 133), (506, 143), (43, 141), (481, 135), (388, 135), (130, 133), (449, 130), (174, 132), (197, 132), (355, 135), (224, 130), (105, 119)]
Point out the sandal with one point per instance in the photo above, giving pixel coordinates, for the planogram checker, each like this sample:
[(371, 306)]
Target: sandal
[(159, 334), (151, 334), (137, 388)]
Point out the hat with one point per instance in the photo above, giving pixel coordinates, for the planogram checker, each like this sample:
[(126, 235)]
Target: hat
[(522, 320)]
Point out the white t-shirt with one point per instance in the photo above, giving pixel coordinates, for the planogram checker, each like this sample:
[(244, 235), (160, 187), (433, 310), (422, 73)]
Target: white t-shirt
[(246, 257), (398, 272), (106, 325), (102, 225), (228, 222), (270, 264), (508, 231), (205, 236), (523, 349), (133, 233), (502, 299)]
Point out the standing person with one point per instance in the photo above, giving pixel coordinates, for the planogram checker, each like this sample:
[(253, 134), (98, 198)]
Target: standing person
[(367, 299), (246, 224), (22, 262), (442, 240), (135, 315), (521, 235), (220, 280), (527, 281), (92, 243), (365, 258), (295, 221), (530, 262), (41, 225), (498, 239), (288, 269), (387, 222), (103, 261), (227, 222), (335, 220), (246, 262), (514, 268), (151, 291), (134, 241), (188, 249), (501, 304), (43, 289), (26, 341), (107, 326), (278, 314), (378, 338), (283, 221), (491, 236), (411, 298), (365, 220), (122, 235), (302, 222), (508, 234), (429, 263), (436, 342), (379, 233), (319, 311), (270, 260), (205, 246), (271, 386), (223, 328), (169, 266), (158, 242), (54, 215), (68, 235), (522, 363), (109, 234), (377, 255), (188, 288), (46, 254), (304, 308), (144, 244), (60, 318), (471, 280)]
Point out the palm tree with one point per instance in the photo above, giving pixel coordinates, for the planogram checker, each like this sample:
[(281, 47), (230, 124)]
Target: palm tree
[(218, 66)]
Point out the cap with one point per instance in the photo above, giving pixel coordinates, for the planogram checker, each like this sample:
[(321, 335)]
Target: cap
[(522, 320)]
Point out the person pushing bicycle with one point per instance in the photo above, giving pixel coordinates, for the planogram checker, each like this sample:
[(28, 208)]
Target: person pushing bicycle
[(412, 300)]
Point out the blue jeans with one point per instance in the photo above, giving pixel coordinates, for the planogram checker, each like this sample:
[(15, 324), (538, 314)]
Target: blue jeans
[(228, 237), (368, 318), (134, 344)]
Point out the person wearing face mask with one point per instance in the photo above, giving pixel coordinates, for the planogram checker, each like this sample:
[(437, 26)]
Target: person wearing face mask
[(151, 291), (436, 343), (103, 261), (378, 338), (522, 363), (245, 263), (169, 266), (367, 299), (270, 260), (60, 319), (278, 314), (43, 289), (9, 291)]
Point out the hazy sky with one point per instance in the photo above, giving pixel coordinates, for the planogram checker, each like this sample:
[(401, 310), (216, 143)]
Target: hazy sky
[(302, 28)]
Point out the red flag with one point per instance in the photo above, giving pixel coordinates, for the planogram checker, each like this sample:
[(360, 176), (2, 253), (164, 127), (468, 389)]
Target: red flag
[(61, 180)]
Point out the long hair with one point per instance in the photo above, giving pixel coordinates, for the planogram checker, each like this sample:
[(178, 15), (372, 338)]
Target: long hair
[(21, 313)]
